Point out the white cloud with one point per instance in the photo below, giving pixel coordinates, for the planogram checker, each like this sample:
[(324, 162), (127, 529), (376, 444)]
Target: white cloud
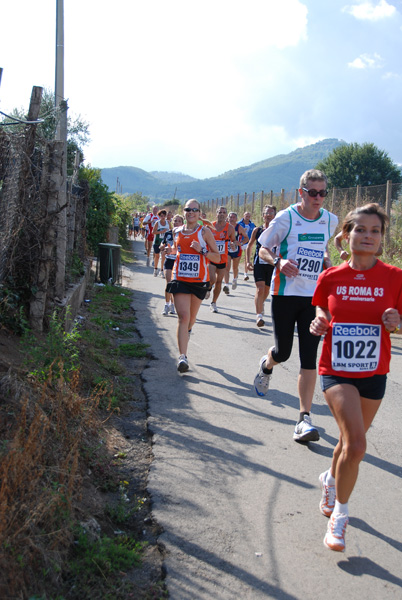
[(368, 11), (390, 75), (365, 61)]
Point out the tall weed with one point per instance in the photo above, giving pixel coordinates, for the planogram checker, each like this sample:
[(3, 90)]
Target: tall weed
[(47, 354)]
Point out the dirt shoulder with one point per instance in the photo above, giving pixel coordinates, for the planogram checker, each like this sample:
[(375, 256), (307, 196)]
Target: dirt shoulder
[(111, 499)]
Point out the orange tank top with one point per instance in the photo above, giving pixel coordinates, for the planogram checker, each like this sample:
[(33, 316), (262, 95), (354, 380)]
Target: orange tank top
[(222, 239), (190, 265)]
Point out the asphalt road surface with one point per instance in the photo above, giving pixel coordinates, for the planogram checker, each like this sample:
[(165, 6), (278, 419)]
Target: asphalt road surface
[(237, 498)]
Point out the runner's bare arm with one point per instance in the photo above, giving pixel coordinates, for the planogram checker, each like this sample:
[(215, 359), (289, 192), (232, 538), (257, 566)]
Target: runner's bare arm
[(320, 324)]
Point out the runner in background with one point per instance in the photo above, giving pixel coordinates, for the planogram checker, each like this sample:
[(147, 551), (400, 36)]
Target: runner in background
[(169, 256), (262, 269), (149, 222), (159, 231), (131, 227), (142, 227), (248, 226), (234, 256), (136, 223), (224, 234), (358, 304)]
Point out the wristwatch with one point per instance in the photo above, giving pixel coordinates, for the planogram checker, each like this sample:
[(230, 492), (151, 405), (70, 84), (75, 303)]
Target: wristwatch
[(276, 260), (204, 251)]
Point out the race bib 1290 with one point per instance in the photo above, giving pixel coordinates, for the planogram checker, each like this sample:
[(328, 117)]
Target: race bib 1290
[(309, 262)]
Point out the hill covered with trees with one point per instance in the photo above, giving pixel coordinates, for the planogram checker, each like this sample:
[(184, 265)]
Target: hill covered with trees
[(281, 171)]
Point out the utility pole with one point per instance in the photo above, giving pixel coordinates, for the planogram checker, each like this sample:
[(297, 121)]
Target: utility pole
[(59, 79), (61, 135)]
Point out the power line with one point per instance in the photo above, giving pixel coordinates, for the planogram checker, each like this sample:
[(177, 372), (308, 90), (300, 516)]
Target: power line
[(16, 121)]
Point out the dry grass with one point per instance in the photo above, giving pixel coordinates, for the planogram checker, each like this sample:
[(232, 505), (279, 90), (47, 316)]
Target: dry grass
[(40, 477), (66, 445)]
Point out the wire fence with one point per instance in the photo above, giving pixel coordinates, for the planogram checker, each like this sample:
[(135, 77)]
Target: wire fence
[(34, 194), (339, 201)]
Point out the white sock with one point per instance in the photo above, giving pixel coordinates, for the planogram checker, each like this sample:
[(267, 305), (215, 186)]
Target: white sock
[(329, 479), (341, 508)]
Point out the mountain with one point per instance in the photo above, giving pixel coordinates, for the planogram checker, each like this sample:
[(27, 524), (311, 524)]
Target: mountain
[(281, 171), (172, 177)]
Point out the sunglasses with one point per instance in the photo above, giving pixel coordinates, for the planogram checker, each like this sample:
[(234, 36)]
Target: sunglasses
[(188, 209), (314, 193)]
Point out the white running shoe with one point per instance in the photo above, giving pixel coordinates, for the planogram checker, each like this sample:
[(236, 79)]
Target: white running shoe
[(234, 284), (171, 309), (207, 295), (328, 497), (260, 321), (213, 307), (305, 432), (155, 272), (335, 537), (246, 277), (182, 364), (226, 289), (165, 309), (261, 380), (162, 274)]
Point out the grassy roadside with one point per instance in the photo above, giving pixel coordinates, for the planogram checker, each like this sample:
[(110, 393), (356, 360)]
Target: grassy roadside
[(75, 517)]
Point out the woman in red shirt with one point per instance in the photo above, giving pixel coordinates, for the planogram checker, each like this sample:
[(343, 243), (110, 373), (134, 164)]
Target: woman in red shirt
[(358, 304)]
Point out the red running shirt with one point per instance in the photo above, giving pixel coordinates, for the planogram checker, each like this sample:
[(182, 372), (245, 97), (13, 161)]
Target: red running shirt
[(357, 343)]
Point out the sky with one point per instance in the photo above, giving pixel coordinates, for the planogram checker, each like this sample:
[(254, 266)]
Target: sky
[(205, 87)]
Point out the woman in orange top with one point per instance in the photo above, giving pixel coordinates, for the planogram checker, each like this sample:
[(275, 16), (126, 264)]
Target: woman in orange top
[(195, 246)]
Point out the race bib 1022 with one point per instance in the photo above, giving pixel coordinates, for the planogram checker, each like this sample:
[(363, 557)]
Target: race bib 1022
[(355, 347)]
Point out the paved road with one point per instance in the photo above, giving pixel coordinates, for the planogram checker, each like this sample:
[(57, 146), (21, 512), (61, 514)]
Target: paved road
[(236, 496)]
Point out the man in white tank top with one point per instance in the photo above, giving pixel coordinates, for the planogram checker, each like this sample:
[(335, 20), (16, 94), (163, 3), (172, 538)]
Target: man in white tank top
[(300, 234)]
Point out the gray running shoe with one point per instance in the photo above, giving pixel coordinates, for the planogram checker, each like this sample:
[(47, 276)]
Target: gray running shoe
[(305, 432), (261, 380), (171, 309), (182, 364), (165, 309), (234, 284), (260, 321)]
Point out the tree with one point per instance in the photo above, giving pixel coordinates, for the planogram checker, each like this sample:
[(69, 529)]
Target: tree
[(350, 165), (122, 216), (77, 128), (101, 208), (138, 202)]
